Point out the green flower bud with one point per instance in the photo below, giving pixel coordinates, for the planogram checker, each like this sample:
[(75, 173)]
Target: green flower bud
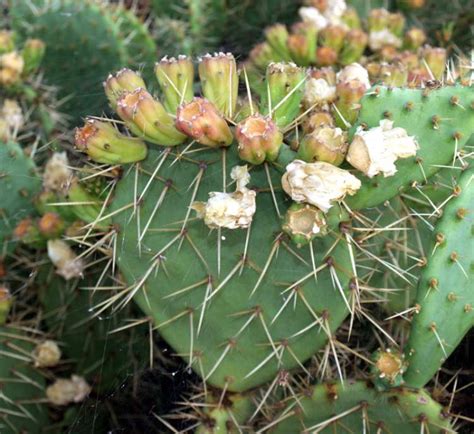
[(259, 139), (302, 43), (394, 74), (396, 24), (414, 39), (262, 55), (33, 53), (304, 222), (176, 79), (282, 100), (435, 59), (277, 37), (351, 19), (324, 144), (147, 118), (124, 81), (349, 95), (6, 301), (7, 41), (220, 81), (388, 369), (200, 120), (103, 143), (378, 19), (27, 232), (86, 207), (333, 37), (354, 46)]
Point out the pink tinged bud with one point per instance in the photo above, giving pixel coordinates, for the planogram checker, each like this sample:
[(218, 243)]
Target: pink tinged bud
[(220, 81), (124, 81), (259, 139), (200, 120), (324, 144), (320, 184), (27, 232), (51, 225), (176, 79), (6, 301), (147, 118), (435, 59), (326, 56), (347, 105), (414, 39), (303, 223), (103, 143)]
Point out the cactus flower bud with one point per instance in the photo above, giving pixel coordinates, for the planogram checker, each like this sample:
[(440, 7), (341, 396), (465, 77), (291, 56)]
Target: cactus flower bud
[(147, 118), (200, 120), (396, 24), (435, 59), (57, 174), (394, 74), (64, 391), (302, 44), (376, 150), (414, 39), (176, 79), (354, 46), (229, 210), (27, 232), (259, 139), (277, 37), (324, 144), (6, 301), (319, 184), (347, 104), (51, 225), (46, 354), (326, 56), (333, 37), (388, 369), (124, 81), (303, 222), (262, 55), (317, 119), (285, 83), (220, 81), (103, 143), (32, 53), (318, 93), (354, 71), (7, 41), (378, 19), (351, 19), (11, 68), (67, 264)]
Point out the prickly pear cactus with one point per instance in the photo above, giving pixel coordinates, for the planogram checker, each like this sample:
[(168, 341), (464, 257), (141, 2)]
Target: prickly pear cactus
[(22, 399), (445, 296), (356, 406), (19, 183)]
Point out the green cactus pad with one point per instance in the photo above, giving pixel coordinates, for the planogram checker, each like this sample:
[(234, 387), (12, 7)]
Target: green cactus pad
[(22, 387), (356, 406), (445, 294), (440, 126), (173, 272), (18, 183)]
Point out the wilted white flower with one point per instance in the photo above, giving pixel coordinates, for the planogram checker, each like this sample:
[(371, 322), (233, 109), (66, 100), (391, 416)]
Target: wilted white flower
[(229, 210), (46, 354), (57, 174), (64, 391), (330, 16), (380, 38), (354, 71), (319, 184), (376, 150), (318, 92), (67, 264), (11, 67)]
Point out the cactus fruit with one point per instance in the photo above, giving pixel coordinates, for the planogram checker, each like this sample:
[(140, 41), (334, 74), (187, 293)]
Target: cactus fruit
[(22, 399), (19, 182), (445, 289), (356, 406)]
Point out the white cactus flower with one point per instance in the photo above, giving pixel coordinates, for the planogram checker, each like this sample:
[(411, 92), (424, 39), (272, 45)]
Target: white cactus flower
[(381, 38), (67, 264), (319, 184), (312, 15), (376, 150), (46, 354), (12, 114), (318, 92), (330, 16), (57, 174), (354, 71), (64, 391), (229, 210)]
